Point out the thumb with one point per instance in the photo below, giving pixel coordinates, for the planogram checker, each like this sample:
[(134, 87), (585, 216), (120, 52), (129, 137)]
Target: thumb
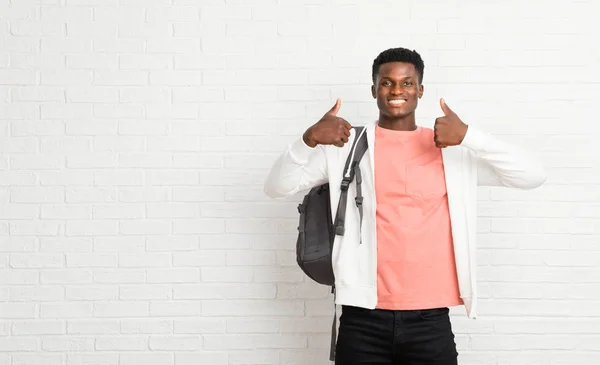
[(445, 108), (336, 107)]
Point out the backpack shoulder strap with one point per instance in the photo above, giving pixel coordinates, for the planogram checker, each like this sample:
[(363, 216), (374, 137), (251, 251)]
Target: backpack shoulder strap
[(359, 147)]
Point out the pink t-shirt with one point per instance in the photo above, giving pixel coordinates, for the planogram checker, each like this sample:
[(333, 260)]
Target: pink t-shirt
[(415, 253)]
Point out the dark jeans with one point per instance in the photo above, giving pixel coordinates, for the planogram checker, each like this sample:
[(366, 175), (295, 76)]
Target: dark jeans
[(386, 337)]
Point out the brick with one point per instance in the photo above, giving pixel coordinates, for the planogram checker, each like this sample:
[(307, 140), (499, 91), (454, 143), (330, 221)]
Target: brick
[(173, 46), (118, 14), (33, 59), (175, 343), (38, 94), (255, 357), (65, 177), (145, 292), (93, 128), (19, 211), (17, 311), (198, 226), (31, 359), (119, 276), (91, 30), (37, 261), (18, 244), (201, 326), (118, 178), (91, 195), (118, 144), (64, 145), (92, 359), (251, 308), (174, 143), (204, 357), (66, 77), (19, 178), (175, 309), (118, 45), (172, 210), (225, 291), (144, 227), (120, 309), (96, 293), (121, 343), (33, 328), (19, 344), (175, 77), (91, 228), (171, 177), (65, 310), (147, 260), (93, 327), (68, 276), (99, 94), (65, 14), (146, 326), (36, 227), (172, 14), (37, 162), (200, 259), (65, 245), (225, 12), (17, 77), (195, 61), (118, 244), (143, 30), (186, 275), (149, 359)]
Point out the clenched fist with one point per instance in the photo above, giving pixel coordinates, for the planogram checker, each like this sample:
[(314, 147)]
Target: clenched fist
[(448, 130), (330, 129)]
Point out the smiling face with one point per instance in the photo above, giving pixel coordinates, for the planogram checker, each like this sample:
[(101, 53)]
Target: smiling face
[(397, 90)]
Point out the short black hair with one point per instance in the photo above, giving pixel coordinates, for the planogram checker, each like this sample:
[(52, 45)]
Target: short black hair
[(399, 55)]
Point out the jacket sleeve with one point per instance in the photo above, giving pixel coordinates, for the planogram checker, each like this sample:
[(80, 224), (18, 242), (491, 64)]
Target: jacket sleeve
[(502, 164), (300, 167)]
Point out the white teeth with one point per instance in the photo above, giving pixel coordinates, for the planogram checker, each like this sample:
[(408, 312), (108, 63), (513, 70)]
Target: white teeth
[(397, 101)]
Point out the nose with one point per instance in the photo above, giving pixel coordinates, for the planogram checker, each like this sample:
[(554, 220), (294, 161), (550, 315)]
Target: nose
[(397, 89)]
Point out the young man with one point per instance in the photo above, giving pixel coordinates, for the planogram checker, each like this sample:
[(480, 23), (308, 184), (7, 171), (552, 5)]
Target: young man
[(417, 254)]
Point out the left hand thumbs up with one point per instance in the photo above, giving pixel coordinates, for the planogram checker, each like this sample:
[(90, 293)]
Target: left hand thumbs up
[(448, 130)]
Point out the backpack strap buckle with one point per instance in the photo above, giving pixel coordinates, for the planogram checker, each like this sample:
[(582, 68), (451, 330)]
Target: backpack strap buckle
[(359, 201), (345, 184)]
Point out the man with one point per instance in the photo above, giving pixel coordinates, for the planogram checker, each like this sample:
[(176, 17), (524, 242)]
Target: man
[(417, 254)]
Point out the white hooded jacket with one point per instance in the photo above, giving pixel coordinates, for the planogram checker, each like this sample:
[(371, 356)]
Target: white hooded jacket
[(480, 160)]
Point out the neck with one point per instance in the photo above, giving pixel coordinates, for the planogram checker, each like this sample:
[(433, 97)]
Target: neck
[(406, 123)]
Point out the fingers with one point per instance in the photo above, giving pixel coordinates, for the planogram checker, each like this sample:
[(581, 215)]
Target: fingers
[(336, 107), (347, 125), (436, 139), (445, 108)]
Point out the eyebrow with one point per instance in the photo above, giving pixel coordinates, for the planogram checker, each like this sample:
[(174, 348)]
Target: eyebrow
[(404, 78)]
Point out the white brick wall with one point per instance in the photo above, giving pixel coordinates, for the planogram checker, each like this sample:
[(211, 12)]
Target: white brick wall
[(135, 136)]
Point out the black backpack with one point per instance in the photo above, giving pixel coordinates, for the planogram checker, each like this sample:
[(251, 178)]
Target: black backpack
[(316, 231)]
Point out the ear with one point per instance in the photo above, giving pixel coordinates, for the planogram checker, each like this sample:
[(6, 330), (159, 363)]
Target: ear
[(421, 89), (373, 91)]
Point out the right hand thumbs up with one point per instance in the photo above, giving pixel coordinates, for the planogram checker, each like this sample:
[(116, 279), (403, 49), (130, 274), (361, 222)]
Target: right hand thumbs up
[(330, 129), (336, 107)]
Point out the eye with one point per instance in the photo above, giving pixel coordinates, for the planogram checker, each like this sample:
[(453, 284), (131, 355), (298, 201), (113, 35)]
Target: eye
[(408, 83), (386, 83)]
